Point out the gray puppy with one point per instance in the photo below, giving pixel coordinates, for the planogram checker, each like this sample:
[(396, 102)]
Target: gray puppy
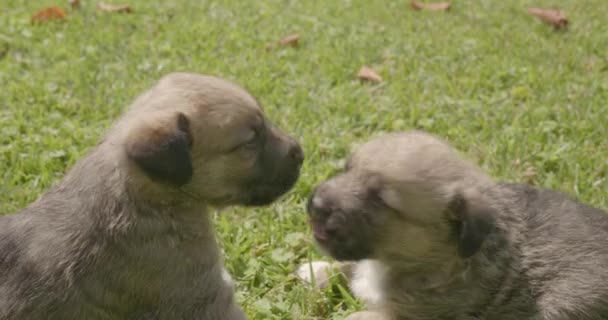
[(127, 233), (436, 238)]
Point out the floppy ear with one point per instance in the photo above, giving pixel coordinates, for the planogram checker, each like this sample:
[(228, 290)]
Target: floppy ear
[(163, 152), (474, 220)]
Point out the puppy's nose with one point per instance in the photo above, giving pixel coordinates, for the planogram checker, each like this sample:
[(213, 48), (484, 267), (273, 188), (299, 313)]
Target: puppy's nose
[(319, 211), (296, 152), (317, 207)]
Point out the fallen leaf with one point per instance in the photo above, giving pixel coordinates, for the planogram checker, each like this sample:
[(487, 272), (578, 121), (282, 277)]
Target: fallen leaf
[(529, 175), (367, 74), (437, 6), (554, 17), (109, 7), (75, 4), (291, 40), (50, 13), (517, 162)]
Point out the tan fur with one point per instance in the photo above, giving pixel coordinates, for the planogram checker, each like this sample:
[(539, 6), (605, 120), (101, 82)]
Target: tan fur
[(126, 234), (436, 238)]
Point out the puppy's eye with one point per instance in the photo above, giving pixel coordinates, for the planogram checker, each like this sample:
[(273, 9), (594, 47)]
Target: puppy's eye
[(252, 140), (248, 143)]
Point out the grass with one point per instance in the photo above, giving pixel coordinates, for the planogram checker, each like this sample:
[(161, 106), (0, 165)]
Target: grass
[(527, 103)]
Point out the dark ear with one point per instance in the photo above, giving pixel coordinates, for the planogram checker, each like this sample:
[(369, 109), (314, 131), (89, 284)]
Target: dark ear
[(373, 187), (473, 221), (163, 152)]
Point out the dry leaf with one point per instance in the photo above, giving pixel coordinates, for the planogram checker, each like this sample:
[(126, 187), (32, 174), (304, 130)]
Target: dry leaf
[(556, 18), (367, 74), (75, 4), (437, 6), (50, 13), (517, 162), (108, 7), (529, 175), (291, 40)]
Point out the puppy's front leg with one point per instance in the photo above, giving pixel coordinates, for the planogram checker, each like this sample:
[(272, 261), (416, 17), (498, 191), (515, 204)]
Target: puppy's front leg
[(319, 272), (368, 315), (236, 313)]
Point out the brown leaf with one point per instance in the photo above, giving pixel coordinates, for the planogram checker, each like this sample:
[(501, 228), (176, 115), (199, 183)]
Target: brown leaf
[(529, 175), (50, 13), (109, 7), (367, 74), (517, 162), (437, 6), (290, 40), (554, 17), (75, 4)]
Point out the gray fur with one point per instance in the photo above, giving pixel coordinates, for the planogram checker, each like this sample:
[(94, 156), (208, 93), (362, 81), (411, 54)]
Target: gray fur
[(111, 241), (541, 254)]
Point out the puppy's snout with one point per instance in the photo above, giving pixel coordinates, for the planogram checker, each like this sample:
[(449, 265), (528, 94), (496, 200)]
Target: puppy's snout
[(290, 145), (296, 152), (317, 207), (319, 212)]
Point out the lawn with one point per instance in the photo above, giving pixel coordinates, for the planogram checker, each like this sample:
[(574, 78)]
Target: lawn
[(526, 102)]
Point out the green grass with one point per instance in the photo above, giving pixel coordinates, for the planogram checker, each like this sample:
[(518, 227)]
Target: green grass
[(503, 87)]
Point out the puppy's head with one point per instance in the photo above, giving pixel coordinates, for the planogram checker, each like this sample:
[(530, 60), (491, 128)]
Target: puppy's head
[(207, 138), (406, 197)]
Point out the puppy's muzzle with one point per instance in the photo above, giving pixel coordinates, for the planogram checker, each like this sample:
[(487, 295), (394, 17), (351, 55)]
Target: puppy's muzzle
[(328, 221), (320, 211), (280, 164), (344, 231), (295, 152)]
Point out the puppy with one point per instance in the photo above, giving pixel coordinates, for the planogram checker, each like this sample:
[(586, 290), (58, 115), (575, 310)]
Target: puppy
[(433, 237), (127, 234)]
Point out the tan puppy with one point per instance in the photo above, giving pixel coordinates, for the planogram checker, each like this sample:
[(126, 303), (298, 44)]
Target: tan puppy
[(126, 234), (433, 237)]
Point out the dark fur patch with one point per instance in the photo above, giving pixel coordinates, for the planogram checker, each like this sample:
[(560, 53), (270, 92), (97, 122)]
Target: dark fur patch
[(473, 223), (165, 155)]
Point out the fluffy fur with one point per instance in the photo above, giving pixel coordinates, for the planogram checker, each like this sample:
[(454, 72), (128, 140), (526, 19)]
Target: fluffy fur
[(126, 234), (433, 237)]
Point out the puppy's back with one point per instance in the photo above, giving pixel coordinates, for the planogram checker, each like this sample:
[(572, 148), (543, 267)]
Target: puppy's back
[(565, 254)]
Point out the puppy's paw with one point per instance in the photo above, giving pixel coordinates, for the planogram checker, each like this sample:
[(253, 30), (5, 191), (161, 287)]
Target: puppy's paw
[(368, 280), (227, 278), (236, 313), (367, 315), (316, 273)]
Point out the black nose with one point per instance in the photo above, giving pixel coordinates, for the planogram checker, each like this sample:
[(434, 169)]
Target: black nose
[(309, 207), (317, 207), (296, 152)]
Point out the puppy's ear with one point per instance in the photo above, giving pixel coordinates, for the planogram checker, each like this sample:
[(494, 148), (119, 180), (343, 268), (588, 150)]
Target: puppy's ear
[(162, 150), (373, 187), (473, 221)]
